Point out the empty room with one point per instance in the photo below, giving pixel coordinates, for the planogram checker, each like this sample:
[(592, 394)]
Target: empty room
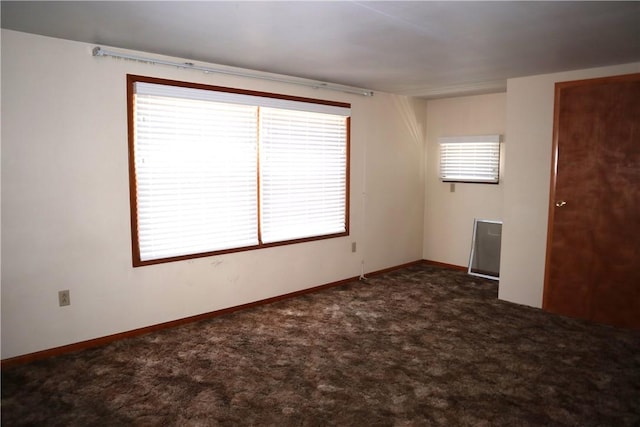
[(320, 213)]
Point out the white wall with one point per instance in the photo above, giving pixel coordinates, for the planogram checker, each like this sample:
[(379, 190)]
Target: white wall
[(65, 203), (448, 220), (530, 103)]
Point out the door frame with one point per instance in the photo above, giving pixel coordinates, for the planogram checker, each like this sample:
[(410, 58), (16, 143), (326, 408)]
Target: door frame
[(554, 166)]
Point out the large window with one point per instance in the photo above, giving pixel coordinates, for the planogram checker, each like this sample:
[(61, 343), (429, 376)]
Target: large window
[(215, 170)]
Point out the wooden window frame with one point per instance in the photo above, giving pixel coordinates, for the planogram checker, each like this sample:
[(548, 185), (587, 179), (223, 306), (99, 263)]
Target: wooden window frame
[(133, 191)]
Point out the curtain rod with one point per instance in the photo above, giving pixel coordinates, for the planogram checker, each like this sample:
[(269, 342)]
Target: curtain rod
[(98, 51)]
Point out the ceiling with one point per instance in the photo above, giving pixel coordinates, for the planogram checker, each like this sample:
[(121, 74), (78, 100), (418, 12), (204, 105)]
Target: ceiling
[(416, 48)]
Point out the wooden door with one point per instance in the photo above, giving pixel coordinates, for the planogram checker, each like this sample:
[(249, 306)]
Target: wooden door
[(593, 247)]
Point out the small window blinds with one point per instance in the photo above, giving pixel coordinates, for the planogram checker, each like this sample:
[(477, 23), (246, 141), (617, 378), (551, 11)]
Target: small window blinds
[(470, 159)]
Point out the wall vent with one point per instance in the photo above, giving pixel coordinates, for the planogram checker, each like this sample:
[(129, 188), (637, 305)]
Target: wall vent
[(485, 249)]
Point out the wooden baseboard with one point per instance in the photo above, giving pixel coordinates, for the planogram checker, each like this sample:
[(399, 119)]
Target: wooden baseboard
[(70, 348), (445, 265), (390, 269)]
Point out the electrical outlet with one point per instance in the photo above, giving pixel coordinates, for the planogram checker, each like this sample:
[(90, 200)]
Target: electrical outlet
[(64, 298), (353, 246)]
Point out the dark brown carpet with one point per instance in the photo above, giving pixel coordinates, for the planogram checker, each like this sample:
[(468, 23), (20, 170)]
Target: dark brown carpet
[(417, 347)]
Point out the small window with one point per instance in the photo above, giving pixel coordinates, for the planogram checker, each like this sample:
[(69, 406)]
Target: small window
[(470, 159), (216, 170)]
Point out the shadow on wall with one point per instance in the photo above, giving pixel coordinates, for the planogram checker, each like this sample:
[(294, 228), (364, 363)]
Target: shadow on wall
[(407, 111)]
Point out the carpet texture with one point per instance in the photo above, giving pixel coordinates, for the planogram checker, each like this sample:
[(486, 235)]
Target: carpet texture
[(419, 346)]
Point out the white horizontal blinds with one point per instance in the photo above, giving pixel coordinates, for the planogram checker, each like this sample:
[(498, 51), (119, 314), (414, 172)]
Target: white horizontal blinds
[(232, 97), (470, 158), (303, 168), (196, 172)]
